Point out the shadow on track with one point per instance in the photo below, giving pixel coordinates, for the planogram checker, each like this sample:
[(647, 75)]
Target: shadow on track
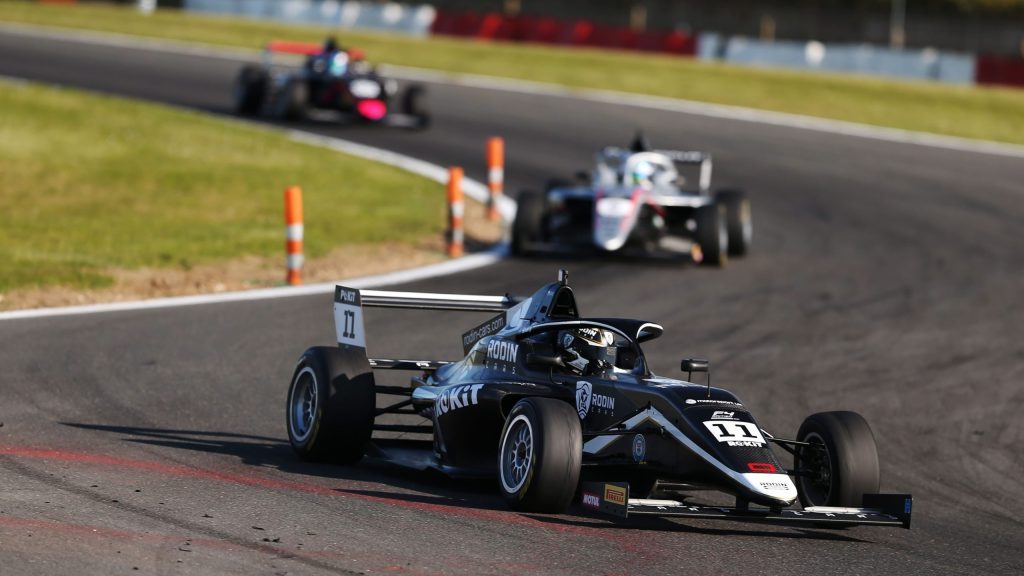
[(269, 452)]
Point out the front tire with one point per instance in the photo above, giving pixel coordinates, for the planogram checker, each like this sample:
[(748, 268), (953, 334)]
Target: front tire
[(528, 226), (540, 455), (739, 222), (845, 465), (331, 404), (292, 101), (712, 235)]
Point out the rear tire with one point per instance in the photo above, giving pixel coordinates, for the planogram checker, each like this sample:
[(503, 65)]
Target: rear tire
[(540, 455), (528, 226), (331, 404), (414, 104), (250, 90), (712, 235), (738, 220), (844, 469)]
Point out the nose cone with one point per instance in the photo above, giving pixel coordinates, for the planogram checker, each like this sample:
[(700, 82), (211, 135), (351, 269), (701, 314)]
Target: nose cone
[(371, 109)]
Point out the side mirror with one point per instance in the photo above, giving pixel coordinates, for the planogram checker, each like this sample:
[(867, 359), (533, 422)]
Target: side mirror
[(542, 360), (692, 365)]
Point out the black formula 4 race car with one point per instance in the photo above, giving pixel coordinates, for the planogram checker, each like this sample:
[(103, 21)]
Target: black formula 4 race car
[(332, 84), (561, 408)]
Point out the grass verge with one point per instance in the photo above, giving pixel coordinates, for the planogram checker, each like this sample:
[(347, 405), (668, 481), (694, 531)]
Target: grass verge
[(92, 184), (972, 112)]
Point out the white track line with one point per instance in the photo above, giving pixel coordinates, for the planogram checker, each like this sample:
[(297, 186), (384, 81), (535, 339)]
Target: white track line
[(403, 276), (725, 112)]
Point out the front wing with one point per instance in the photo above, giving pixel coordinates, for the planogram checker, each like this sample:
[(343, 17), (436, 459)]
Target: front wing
[(877, 509)]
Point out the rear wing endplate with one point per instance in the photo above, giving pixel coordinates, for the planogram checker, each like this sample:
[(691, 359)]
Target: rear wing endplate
[(349, 304)]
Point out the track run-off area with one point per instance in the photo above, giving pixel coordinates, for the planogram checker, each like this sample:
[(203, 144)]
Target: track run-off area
[(885, 278)]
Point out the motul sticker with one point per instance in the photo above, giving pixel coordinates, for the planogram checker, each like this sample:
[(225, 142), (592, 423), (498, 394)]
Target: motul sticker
[(591, 500)]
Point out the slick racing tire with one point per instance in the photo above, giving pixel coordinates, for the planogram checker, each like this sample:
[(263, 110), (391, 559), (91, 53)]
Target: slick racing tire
[(528, 226), (539, 455), (291, 101), (414, 104), (712, 234), (738, 220), (331, 404), (250, 89), (843, 467)]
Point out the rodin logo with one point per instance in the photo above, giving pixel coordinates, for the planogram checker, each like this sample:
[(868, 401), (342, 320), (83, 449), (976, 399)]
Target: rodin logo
[(585, 399), (583, 394), (502, 351)]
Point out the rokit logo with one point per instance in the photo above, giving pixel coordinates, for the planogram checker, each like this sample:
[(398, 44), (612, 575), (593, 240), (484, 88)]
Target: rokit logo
[(456, 397), (586, 399), (591, 500)]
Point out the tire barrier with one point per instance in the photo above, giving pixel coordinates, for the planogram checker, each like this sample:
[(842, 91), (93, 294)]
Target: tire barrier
[(1001, 70), (293, 234), (544, 30)]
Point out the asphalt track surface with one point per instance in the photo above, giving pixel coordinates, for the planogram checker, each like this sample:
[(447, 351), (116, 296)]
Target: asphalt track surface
[(885, 279)]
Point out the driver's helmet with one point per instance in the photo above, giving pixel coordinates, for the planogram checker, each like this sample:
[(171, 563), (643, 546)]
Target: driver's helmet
[(643, 173), (339, 64), (587, 350)]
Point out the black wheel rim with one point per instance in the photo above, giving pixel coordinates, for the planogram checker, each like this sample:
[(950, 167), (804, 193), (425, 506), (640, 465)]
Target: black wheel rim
[(815, 471)]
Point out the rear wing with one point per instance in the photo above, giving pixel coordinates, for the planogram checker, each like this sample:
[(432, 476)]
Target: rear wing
[(349, 304), (689, 157), (303, 49)]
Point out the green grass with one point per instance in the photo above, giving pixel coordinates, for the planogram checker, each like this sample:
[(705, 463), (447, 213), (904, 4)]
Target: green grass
[(985, 113), (90, 182)]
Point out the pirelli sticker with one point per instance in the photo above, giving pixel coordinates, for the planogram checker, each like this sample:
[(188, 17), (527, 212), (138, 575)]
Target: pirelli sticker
[(615, 494), (608, 497)]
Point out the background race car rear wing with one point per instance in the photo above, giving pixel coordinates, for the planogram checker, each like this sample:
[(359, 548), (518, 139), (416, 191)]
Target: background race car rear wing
[(349, 304), (687, 157), (301, 49)]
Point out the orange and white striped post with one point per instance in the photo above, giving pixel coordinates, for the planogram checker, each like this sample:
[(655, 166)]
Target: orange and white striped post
[(495, 174), (293, 233), (456, 210)]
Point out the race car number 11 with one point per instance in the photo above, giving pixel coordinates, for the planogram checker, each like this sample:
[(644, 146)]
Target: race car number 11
[(348, 320), (734, 431)]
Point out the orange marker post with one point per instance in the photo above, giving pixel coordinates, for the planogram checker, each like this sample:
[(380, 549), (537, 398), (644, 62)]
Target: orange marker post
[(456, 209), (293, 233), (495, 174)]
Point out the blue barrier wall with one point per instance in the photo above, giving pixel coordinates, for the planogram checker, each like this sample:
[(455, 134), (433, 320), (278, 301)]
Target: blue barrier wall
[(390, 17), (926, 64)]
